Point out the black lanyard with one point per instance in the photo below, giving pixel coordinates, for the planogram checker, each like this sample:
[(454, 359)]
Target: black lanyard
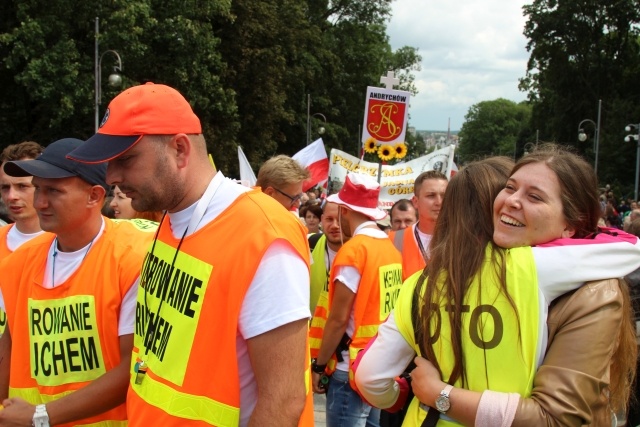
[(419, 240), (165, 282)]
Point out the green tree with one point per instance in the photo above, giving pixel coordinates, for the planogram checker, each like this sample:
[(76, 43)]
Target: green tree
[(493, 128), (582, 51), (48, 73), (247, 67)]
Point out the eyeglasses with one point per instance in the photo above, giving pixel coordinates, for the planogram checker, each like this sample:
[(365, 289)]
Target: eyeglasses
[(294, 199)]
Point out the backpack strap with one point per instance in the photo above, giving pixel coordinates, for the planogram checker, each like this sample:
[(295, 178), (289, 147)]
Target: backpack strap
[(313, 240)]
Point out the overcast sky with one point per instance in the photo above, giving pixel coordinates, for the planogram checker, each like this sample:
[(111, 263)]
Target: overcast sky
[(471, 51)]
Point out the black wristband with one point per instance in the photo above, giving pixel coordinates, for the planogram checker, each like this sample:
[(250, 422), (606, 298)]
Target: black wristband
[(318, 369)]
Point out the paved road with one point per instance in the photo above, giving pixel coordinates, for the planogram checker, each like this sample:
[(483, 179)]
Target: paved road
[(319, 405)]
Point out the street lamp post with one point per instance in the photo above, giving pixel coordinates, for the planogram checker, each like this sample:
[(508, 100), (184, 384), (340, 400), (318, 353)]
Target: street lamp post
[(530, 146), (635, 137), (114, 79), (309, 116), (582, 136)]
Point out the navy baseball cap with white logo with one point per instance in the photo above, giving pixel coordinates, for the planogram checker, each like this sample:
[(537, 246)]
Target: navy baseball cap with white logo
[(53, 163)]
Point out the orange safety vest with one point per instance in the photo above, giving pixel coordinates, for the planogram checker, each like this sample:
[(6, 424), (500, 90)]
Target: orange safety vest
[(412, 259), (4, 251), (190, 356), (65, 337), (4, 248), (380, 267)]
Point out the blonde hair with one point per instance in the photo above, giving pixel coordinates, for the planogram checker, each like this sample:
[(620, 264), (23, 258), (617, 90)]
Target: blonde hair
[(280, 171)]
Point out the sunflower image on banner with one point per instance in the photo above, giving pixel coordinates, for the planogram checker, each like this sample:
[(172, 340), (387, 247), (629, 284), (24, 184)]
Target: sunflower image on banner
[(385, 116)]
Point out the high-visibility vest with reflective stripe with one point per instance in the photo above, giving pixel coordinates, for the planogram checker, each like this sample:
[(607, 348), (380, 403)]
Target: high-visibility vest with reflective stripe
[(4, 251), (499, 348), (320, 280), (65, 337), (380, 267), (192, 377), (319, 270), (412, 259)]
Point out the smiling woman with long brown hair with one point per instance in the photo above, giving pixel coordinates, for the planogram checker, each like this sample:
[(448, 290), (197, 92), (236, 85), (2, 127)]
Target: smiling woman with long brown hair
[(479, 312)]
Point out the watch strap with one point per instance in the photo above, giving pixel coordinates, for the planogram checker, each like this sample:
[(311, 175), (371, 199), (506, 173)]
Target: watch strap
[(445, 391), (40, 416)]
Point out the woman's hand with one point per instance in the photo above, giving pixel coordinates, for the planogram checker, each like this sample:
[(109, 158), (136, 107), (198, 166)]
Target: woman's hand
[(426, 382)]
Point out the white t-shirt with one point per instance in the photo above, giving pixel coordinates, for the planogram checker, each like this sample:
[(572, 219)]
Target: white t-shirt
[(350, 277), (278, 294), (66, 263), (425, 239), (16, 238)]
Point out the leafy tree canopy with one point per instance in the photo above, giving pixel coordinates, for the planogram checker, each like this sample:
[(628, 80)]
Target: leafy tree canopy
[(248, 67), (493, 128)]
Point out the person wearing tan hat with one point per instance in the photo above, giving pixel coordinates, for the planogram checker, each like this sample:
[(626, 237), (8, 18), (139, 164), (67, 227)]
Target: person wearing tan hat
[(223, 305), (365, 281), (69, 296)]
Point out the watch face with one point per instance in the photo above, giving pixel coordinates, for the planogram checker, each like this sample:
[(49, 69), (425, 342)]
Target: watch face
[(443, 404)]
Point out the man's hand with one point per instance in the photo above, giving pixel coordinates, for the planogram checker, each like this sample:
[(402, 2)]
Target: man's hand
[(16, 413), (317, 386)]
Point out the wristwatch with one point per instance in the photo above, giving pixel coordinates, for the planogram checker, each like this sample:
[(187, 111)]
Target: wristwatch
[(443, 404), (40, 417), (318, 369)]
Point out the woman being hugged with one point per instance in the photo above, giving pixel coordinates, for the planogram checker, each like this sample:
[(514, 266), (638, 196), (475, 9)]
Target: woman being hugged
[(481, 311)]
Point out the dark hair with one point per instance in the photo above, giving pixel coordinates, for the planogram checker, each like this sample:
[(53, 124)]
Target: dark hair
[(315, 209), (466, 216), (402, 205), (581, 209)]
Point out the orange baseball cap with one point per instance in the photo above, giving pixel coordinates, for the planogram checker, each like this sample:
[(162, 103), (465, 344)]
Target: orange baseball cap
[(148, 109)]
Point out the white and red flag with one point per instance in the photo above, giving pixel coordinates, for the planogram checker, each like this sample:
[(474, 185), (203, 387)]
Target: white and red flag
[(247, 177), (314, 158)]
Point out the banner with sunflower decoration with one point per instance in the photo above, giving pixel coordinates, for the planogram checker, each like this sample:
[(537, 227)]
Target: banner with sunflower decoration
[(396, 181), (385, 152)]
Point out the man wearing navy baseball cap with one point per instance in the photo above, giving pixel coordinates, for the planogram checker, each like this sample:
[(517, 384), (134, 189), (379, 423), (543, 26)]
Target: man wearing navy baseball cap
[(70, 299)]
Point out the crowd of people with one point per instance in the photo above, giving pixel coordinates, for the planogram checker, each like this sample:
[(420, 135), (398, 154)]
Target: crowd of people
[(140, 286)]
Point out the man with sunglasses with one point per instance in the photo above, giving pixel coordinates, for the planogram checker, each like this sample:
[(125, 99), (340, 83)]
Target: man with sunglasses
[(281, 177)]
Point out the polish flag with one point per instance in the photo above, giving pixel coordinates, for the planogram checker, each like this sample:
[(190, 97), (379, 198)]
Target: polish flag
[(246, 173), (314, 158)]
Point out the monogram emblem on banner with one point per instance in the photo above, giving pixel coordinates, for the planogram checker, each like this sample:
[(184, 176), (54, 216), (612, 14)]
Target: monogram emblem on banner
[(386, 113)]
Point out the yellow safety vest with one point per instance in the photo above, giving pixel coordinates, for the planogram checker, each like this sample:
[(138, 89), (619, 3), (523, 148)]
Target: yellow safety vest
[(499, 349)]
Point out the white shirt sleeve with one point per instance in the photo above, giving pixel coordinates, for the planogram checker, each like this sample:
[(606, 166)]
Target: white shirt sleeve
[(278, 294), (1, 301), (564, 268), (350, 276), (385, 359), (126, 324)]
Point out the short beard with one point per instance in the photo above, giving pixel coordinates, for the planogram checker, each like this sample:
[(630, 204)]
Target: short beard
[(170, 190)]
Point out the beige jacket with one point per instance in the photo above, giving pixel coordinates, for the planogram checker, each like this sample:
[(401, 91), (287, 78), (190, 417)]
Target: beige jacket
[(570, 387)]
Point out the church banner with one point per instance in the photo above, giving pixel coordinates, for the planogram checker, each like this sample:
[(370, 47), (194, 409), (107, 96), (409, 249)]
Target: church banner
[(396, 181), (385, 116)]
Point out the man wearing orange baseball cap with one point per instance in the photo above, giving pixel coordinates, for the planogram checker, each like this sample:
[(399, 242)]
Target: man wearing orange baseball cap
[(365, 281), (223, 306)]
